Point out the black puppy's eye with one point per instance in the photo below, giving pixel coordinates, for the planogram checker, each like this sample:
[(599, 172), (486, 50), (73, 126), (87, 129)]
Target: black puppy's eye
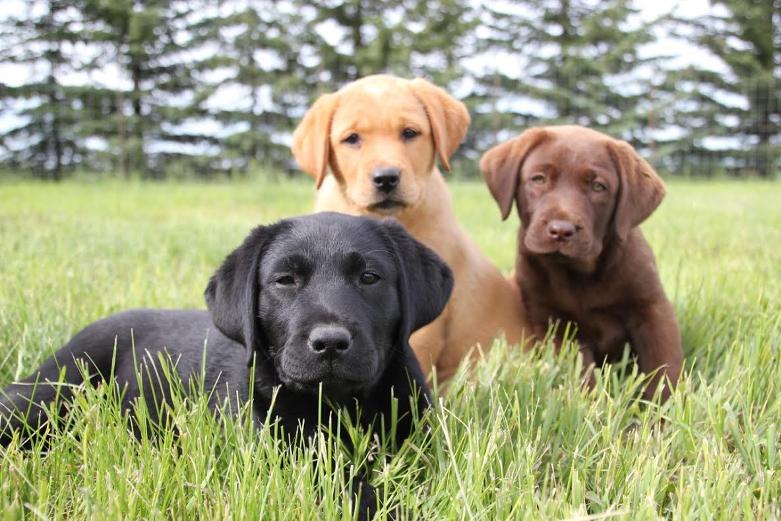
[(285, 280), (598, 187), (368, 278), (352, 139), (409, 133), (538, 179)]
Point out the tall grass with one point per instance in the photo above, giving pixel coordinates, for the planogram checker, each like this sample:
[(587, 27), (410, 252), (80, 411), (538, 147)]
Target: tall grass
[(518, 438)]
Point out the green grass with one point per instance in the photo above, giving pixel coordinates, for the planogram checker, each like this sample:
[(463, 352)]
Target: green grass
[(518, 439)]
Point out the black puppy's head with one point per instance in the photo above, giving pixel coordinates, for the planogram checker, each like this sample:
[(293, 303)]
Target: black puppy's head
[(327, 299)]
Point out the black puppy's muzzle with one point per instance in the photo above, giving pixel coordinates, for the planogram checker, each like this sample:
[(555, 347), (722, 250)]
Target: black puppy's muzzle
[(329, 341), (329, 351)]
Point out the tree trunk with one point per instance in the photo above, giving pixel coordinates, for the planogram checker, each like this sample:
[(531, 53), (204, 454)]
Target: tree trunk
[(56, 135), (763, 159), (138, 117), (357, 37), (124, 156), (54, 103)]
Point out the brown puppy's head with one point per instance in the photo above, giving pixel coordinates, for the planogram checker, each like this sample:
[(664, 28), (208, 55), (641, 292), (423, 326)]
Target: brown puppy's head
[(575, 189), (380, 136)]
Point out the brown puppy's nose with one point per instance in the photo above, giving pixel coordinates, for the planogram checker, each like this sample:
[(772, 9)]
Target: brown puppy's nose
[(386, 179), (561, 230), (329, 340)]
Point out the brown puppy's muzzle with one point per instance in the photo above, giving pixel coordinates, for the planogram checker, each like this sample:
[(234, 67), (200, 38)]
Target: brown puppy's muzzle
[(553, 230), (561, 230)]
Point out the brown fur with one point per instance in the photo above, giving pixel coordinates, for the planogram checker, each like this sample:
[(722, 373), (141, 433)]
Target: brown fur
[(603, 277), (378, 109)]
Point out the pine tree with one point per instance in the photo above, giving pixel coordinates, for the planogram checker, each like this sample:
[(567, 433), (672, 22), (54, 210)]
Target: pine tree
[(731, 120), (47, 138), (149, 42), (564, 61), (343, 41), (251, 85), (352, 38), (349, 40)]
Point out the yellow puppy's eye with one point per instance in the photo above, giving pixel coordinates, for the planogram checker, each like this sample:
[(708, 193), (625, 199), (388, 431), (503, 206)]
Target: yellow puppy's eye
[(352, 139), (538, 179), (598, 187), (409, 133)]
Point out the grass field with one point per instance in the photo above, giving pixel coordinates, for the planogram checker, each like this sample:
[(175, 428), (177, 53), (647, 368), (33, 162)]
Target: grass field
[(519, 439)]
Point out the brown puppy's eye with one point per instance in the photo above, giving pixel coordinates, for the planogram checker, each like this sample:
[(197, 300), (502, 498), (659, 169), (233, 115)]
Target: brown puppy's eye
[(368, 278), (598, 187), (538, 179), (352, 139), (285, 280), (409, 133)]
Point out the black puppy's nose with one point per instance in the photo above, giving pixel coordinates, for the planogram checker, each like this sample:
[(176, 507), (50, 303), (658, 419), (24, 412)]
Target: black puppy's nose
[(386, 179), (561, 230), (329, 340)]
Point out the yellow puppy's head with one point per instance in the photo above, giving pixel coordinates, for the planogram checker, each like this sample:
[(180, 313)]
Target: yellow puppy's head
[(380, 136)]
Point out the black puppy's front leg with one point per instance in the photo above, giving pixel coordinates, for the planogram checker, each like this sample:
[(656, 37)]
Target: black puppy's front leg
[(364, 499), (304, 418), (404, 389), (395, 405)]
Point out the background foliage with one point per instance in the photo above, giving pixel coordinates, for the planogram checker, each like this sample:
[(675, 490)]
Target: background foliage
[(201, 87)]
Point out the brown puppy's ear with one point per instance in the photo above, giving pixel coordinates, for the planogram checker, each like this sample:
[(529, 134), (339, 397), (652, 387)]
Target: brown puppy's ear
[(312, 140), (641, 191), (501, 166), (447, 116)]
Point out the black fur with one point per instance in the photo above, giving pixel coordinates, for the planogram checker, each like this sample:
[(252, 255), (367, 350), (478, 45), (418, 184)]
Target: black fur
[(325, 299)]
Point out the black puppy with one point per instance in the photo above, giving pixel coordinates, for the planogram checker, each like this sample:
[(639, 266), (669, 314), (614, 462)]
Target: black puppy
[(322, 300)]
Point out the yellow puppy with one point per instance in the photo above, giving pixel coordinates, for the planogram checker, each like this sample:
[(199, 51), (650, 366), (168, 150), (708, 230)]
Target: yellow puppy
[(380, 137)]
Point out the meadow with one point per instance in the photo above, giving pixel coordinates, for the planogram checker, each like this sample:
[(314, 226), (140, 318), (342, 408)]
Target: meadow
[(518, 438)]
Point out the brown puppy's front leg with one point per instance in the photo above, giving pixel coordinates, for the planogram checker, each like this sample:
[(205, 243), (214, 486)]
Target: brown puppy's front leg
[(585, 350), (587, 356), (656, 340)]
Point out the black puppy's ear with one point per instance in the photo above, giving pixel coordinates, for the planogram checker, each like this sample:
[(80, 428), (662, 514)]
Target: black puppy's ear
[(501, 167), (425, 281), (641, 191), (232, 293)]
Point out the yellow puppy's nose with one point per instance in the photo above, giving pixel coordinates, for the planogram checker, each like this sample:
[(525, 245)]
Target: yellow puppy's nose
[(386, 179)]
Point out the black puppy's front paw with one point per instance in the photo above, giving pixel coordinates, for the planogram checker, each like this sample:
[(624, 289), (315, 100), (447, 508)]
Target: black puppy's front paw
[(364, 499)]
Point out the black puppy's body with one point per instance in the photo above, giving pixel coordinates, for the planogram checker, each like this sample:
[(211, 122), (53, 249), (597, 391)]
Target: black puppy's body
[(148, 338), (326, 301), (141, 336)]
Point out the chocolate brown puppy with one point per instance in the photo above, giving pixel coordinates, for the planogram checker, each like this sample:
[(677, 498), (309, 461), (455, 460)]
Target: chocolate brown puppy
[(581, 258)]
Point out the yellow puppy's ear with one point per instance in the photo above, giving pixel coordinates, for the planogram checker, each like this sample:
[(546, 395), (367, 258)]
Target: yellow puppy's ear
[(641, 190), (447, 116), (312, 140), (501, 167)]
